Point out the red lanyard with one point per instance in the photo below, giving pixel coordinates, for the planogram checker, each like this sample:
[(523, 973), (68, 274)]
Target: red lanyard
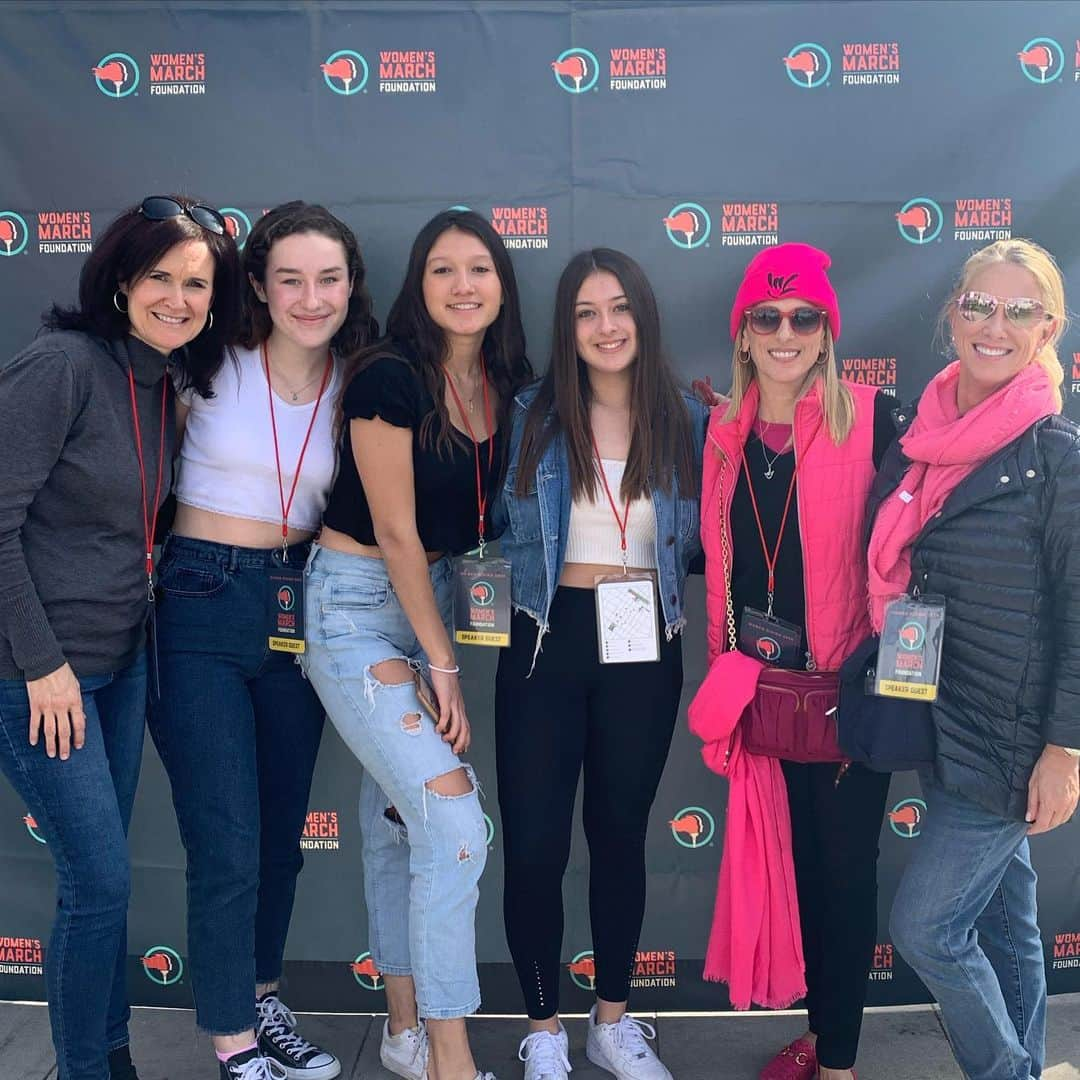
[(770, 562), (149, 517), (287, 506), (481, 494), (623, 521)]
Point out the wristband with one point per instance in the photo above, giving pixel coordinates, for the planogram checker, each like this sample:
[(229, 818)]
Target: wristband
[(455, 670)]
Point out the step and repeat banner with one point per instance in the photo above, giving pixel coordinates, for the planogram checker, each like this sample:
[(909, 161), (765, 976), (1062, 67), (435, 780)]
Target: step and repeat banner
[(899, 136)]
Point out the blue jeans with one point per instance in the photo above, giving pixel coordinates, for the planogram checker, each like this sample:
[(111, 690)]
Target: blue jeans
[(83, 806), (238, 730), (964, 917), (420, 881)]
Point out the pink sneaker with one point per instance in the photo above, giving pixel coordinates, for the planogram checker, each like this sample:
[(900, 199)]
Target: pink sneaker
[(797, 1061)]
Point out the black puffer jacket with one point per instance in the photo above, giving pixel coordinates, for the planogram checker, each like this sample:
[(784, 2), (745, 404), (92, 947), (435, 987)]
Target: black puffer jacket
[(1004, 551)]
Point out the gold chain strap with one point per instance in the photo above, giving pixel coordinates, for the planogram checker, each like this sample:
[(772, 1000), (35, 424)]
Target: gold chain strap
[(732, 637)]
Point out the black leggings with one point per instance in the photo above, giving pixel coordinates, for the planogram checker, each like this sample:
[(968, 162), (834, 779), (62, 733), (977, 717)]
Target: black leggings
[(617, 721), (834, 832)]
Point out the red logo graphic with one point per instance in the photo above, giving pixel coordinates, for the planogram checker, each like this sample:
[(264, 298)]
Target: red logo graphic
[(750, 224), (322, 831), (870, 63), (906, 818), (343, 68), (881, 966), (8, 233), (768, 648), (64, 232), (804, 63), (521, 226), (162, 965), (1038, 56), (685, 222), (286, 598), (366, 973), (918, 218), (573, 67), (637, 69), (178, 73), (871, 371), (402, 72), (982, 219), (583, 970), (1066, 951)]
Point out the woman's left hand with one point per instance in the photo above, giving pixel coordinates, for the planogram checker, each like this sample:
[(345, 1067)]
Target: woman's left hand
[(1053, 790)]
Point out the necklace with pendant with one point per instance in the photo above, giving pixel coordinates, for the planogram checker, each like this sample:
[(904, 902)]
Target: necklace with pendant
[(769, 465), (470, 400), (295, 394)]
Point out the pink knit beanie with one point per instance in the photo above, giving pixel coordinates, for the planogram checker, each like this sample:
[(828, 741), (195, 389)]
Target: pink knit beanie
[(788, 270)]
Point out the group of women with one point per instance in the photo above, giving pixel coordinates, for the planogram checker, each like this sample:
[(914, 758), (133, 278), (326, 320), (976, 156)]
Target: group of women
[(328, 483)]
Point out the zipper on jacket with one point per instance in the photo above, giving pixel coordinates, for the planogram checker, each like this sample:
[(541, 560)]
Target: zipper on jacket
[(811, 664)]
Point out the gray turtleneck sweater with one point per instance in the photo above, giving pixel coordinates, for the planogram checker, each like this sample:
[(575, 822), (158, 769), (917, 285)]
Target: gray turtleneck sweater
[(72, 548)]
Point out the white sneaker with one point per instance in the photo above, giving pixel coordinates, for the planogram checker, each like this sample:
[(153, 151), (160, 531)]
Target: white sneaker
[(405, 1053), (621, 1049), (546, 1055)]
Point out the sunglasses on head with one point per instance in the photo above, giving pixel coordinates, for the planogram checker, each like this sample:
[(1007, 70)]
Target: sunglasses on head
[(1020, 310), (803, 320), (163, 207)]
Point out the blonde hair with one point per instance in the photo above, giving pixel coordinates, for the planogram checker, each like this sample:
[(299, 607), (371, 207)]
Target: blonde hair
[(837, 403), (1038, 262)]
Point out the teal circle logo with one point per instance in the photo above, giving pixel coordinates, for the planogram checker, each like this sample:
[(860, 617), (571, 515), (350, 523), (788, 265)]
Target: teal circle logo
[(576, 70), (116, 75), (345, 72), (33, 828), (286, 598), (808, 65), (162, 965), (1041, 60), (13, 233), (366, 973), (919, 220), (237, 224), (912, 635), (688, 225), (906, 818), (692, 827), (490, 830), (583, 970)]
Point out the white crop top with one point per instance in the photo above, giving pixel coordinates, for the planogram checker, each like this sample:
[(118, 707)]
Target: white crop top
[(593, 535), (227, 457)]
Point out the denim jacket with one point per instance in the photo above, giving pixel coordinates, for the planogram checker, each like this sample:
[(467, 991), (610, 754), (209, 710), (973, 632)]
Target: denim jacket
[(534, 527)]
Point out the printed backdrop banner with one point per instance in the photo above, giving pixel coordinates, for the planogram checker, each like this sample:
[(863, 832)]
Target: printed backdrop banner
[(898, 135)]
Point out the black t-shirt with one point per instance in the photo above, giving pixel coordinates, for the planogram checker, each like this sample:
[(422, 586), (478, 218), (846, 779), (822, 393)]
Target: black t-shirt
[(444, 485), (749, 574)]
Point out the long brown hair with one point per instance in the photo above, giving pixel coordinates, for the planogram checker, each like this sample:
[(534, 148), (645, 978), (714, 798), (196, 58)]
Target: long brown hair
[(411, 330), (660, 430)]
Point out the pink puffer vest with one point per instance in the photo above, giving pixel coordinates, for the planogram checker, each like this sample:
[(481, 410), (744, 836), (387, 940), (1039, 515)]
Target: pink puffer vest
[(832, 489)]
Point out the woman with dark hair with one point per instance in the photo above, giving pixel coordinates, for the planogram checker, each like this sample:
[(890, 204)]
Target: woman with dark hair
[(602, 483), (238, 726), (86, 429), (420, 456)]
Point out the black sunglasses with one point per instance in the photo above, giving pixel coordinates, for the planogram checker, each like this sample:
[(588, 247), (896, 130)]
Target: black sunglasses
[(163, 207)]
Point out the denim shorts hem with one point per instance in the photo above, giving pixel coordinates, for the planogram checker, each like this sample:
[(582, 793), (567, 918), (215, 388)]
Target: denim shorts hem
[(451, 1013), (125, 1041), (391, 969)]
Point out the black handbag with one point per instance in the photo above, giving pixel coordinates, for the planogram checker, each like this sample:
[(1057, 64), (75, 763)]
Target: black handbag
[(884, 734)]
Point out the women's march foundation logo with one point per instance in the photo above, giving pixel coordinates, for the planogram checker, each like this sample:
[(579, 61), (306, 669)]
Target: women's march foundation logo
[(33, 828), (919, 220), (366, 973), (1042, 60), (692, 827), (808, 65), (162, 965), (116, 75), (583, 970), (906, 818), (688, 225), (345, 72), (13, 233), (576, 70), (237, 224)]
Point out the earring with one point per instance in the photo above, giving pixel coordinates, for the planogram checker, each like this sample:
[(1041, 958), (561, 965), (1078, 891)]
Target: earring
[(744, 356), (209, 321), (822, 357), (116, 302)]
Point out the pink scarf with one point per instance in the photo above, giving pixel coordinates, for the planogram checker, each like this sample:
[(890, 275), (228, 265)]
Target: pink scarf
[(755, 944), (944, 448)]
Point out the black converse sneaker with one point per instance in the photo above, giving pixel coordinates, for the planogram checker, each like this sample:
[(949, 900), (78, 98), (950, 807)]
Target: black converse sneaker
[(251, 1065), (279, 1041)]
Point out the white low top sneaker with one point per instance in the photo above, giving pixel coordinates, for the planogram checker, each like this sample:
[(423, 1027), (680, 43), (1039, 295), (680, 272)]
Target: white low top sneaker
[(405, 1053), (621, 1049), (546, 1055)]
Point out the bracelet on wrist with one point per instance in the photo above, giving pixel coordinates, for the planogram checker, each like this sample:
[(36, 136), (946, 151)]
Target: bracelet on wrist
[(455, 670)]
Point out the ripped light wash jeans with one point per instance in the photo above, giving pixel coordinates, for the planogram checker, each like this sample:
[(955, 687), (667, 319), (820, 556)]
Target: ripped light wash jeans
[(420, 881)]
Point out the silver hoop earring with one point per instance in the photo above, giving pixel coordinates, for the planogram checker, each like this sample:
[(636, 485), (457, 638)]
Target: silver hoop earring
[(209, 321), (116, 302)]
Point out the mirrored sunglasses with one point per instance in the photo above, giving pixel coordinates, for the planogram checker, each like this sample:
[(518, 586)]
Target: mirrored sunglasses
[(163, 207), (1022, 311)]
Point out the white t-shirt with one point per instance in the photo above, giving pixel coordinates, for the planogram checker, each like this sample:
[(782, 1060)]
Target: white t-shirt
[(227, 461)]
